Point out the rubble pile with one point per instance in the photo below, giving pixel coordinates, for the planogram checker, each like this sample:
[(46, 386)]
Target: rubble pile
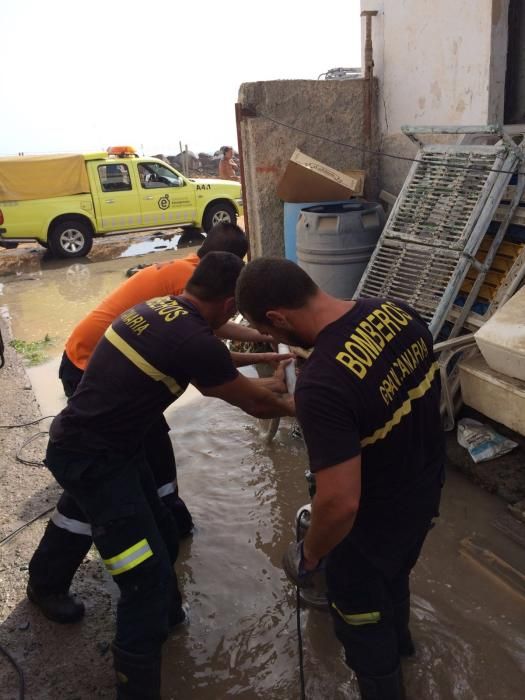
[(196, 165)]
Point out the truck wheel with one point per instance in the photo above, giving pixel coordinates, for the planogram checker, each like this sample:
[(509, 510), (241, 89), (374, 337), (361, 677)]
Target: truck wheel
[(220, 213), (70, 239)]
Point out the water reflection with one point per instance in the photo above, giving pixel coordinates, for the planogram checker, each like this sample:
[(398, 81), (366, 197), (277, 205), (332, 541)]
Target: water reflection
[(151, 245), (164, 241), (52, 300)]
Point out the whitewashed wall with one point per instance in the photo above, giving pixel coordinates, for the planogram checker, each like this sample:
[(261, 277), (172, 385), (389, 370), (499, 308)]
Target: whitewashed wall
[(438, 62)]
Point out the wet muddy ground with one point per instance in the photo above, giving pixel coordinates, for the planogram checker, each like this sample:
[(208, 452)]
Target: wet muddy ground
[(468, 616)]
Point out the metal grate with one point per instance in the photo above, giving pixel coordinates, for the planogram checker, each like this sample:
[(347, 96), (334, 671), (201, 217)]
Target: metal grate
[(438, 221), (413, 273), (441, 197)]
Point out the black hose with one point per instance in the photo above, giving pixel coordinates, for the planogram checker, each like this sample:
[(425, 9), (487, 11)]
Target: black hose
[(21, 681), (300, 644), (302, 683)]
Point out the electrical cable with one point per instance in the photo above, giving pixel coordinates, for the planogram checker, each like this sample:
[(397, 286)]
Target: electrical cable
[(23, 425), (21, 681), (370, 151), (30, 462), (24, 525), (11, 659), (300, 644)]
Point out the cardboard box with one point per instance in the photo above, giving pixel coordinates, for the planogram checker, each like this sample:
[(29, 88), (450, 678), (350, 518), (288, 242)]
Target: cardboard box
[(308, 180)]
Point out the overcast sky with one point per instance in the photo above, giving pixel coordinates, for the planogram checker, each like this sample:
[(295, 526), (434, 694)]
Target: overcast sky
[(79, 75)]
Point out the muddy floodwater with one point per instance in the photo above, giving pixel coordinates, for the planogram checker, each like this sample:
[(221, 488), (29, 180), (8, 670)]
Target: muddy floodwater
[(241, 640), (49, 300)]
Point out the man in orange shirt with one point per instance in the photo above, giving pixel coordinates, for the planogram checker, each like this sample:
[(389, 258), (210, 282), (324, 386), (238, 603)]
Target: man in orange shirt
[(67, 530)]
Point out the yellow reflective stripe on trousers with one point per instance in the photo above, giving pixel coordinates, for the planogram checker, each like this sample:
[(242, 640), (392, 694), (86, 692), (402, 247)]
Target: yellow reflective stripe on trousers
[(416, 393), (139, 362), (129, 558), (358, 618)]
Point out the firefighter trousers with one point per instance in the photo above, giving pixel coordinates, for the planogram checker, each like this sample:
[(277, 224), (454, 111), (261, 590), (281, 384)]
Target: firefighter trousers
[(68, 536), (157, 443), (133, 533)]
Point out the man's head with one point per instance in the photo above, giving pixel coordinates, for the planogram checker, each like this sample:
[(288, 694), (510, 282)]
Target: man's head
[(273, 295), (212, 286), (227, 152), (228, 238)]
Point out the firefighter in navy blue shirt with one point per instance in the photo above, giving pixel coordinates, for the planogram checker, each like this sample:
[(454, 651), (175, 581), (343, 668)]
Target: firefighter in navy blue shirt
[(367, 400), (143, 363)]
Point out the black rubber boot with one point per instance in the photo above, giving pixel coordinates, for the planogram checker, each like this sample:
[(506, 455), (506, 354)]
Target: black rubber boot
[(401, 620), (57, 558), (138, 675), (181, 514), (388, 687), (58, 607)]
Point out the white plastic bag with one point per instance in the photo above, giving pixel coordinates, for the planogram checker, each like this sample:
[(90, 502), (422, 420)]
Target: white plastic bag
[(482, 441)]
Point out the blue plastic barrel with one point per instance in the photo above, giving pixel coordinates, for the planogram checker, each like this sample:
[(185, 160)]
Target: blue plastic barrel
[(291, 217)]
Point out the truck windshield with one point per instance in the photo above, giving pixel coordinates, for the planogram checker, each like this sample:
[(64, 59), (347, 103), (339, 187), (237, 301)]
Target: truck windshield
[(156, 175)]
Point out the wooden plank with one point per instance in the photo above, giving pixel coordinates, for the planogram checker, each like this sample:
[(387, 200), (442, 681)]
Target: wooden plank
[(453, 343), (519, 215), (507, 248), (498, 569), (473, 321), (511, 527)]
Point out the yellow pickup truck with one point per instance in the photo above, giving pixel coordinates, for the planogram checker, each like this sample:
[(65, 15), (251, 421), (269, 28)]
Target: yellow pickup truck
[(64, 201)]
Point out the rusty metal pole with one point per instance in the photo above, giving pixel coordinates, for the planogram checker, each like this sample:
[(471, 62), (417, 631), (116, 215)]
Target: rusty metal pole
[(369, 76), (369, 54), (238, 119)]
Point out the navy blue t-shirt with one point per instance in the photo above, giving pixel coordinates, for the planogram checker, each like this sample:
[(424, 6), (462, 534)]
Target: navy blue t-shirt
[(371, 387), (143, 363)]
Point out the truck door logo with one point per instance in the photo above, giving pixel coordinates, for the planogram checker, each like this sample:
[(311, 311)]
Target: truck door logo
[(164, 202)]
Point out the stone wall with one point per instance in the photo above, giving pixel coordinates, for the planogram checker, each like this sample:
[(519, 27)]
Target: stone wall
[(334, 109)]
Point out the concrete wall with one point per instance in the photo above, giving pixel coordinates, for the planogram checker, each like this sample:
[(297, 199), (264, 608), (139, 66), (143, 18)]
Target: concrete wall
[(332, 108), (437, 62)]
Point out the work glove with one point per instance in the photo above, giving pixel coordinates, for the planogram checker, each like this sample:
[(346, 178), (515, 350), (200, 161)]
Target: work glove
[(293, 565)]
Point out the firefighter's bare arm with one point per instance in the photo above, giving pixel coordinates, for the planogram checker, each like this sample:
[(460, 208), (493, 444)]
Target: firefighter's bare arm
[(242, 359), (334, 507), (253, 397), (236, 331)]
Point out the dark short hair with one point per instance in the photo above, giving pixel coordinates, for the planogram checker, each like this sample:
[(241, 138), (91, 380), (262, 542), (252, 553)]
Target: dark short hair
[(229, 238), (272, 283), (215, 276)]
